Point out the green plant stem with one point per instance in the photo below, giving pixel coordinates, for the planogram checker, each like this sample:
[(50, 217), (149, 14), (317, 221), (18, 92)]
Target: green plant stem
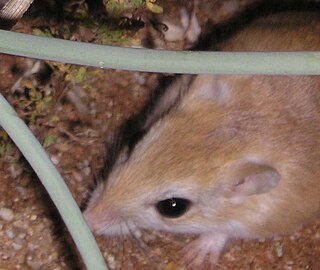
[(54, 184), (307, 63)]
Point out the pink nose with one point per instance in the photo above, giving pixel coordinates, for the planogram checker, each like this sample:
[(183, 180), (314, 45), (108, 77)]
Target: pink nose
[(101, 219)]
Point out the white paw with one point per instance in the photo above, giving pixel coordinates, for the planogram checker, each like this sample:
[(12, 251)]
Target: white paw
[(207, 245)]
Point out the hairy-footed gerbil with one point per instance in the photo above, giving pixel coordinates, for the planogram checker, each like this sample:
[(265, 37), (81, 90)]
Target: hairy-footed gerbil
[(235, 157)]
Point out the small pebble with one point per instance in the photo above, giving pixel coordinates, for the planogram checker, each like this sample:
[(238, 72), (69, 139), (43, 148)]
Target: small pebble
[(10, 234), (77, 176), (34, 264), (109, 114), (54, 256), (19, 242), (110, 103), (19, 224), (262, 240), (22, 191), (6, 214), (270, 256), (86, 163), (289, 262), (33, 217), (39, 228), (15, 170), (317, 236), (22, 235), (111, 261), (292, 238), (55, 159), (229, 256), (279, 249), (16, 246), (5, 257), (87, 171)]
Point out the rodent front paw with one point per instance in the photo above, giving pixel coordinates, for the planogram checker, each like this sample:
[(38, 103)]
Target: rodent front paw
[(208, 244)]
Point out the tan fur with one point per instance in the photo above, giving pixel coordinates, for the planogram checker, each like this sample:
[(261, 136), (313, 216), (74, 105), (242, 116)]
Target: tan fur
[(221, 124)]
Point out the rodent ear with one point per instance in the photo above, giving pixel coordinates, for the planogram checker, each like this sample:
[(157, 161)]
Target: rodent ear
[(253, 179)]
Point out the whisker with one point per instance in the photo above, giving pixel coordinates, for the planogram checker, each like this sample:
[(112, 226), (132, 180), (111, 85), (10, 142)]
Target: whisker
[(169, 255), (169, 238), (141, 245)]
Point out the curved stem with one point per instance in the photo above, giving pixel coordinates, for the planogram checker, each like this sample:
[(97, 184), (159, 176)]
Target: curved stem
[(54, 184), (303, 63)]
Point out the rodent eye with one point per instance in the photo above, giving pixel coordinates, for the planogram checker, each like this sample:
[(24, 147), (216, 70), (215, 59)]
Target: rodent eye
[(173, 207)]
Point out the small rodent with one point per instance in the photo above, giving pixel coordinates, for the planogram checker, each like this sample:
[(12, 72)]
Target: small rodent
[(235, 157)]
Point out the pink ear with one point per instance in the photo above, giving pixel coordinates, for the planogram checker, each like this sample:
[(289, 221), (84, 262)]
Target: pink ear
[(255, 179)]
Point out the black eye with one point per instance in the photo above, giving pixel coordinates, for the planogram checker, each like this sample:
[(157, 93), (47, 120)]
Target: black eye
[(173, 207)]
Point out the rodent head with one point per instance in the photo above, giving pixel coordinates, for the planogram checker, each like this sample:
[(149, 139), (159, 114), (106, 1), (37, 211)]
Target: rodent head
[(186, 175)]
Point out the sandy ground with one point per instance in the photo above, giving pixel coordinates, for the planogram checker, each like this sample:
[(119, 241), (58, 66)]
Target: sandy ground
[(73, 111)]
